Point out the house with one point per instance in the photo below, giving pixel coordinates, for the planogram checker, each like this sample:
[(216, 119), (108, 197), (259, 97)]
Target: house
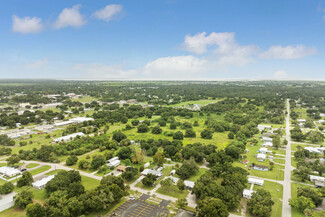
[(160, 169), (319, 181), (301, 120), (267, 139), (114, 163), (80, 119), (173, 172), (132, 142), (150, 171), (256, 181), (263, 150), (7, 201), (260, 167), (318, 150), (41, 183), (245, 161), (113, 159), (267, 144), (261, 157), (9, 171), (121, 168), (261, 127), (189, 184), (322, 114), (146, 165), (52, 105), (63, 123), (174, 179), (68, 137), (248, 193)]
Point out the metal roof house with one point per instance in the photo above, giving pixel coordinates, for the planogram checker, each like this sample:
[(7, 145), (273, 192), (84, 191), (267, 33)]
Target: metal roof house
[(68, 137), (9, 171), (41, 183), (114, 163), (248, 193), (261, 157), (256, 181)]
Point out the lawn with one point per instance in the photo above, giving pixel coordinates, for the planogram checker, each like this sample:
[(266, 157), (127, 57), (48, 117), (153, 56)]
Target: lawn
[(276, 191), (32, 165), (173, 191), (89, 183), (199, 102), (197, 175), (280, 161), (85, 99), (40, 169), (53, 172)]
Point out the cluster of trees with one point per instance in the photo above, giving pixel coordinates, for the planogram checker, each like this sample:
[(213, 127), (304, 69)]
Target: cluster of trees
[(68, 196), (149, 180), (307, 199), (261, 203), (314, 136), (215, 197), (187, 169)]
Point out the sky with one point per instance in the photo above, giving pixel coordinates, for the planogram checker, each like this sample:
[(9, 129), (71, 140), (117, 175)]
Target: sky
[(162, 39)]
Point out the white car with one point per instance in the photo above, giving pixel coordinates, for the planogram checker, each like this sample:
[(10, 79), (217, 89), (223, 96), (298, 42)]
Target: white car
[(131, 198)]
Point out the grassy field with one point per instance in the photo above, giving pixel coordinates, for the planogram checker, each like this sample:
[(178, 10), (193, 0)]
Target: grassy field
[(40, 169), (173, 191), (198, 102), (85, 99), (89, 183), (31, 165)]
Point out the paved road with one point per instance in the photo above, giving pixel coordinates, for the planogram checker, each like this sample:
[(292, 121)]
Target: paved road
[(286, 209)]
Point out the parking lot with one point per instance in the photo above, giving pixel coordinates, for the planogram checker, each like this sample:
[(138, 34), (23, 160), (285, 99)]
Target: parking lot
[(139, 208)]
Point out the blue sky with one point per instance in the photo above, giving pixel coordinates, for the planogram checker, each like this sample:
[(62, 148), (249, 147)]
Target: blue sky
[(162, 39)]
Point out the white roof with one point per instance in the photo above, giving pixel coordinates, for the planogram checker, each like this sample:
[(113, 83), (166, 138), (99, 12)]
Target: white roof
[(68, 137), (315, 150), (114, 163), (319, 178), (267, 139), (255, 181), (174, 179), (42, 182), (263, 156), (189, 184), (263, 149), (81, 119), (150, 171), (248, 192), (9, 171), (267, 144), (59, 124), (301, 120)]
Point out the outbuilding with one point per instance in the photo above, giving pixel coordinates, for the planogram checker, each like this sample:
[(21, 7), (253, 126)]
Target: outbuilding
[(261, 157), (248, 193), (41, 183), (9, 171), (256, 181)]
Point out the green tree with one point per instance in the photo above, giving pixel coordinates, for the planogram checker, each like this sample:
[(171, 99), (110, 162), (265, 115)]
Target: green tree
[(35, 210), (181, 186), (261, 203), (206, 134), (23, 198), (25, 180), (212, 207), (71, 160), (119, 136), (156, 130), (302, 203), (14, 159), (7, 188), (149, 180), (143, 128), (181, 203), (189, 133), (178, 135)]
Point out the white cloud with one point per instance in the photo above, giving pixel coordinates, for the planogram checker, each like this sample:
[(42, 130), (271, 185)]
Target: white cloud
[(100, 71), (180, 67), (280, 75), (37, 64), (288, 52), (108, 12), (70, 17), (26, 25), (224, 45)]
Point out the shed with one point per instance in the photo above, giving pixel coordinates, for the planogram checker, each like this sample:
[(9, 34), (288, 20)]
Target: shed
[(41, 183), (248, 193)]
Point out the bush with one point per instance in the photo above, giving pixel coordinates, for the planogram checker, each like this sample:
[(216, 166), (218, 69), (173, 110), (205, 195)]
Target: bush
[(71, 160)]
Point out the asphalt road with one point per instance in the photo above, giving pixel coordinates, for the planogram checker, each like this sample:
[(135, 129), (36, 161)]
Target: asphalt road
[(286, 209)]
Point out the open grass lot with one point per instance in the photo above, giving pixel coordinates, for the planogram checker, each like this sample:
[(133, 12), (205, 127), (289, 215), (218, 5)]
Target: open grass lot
[(13, 212), (85, 99), (89, 183), (198, 175), (302, 112), (295, 212), (53, 172), (173, 191), (280, 161), (40, 169), (276, 191), (31, 165), (198, 102)]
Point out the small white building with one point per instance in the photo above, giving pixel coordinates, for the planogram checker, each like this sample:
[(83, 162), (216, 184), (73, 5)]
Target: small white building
[(262, 127), (267, 144), (68, 137), (263, 150), (63, 123), (301, 120), (173, 172), (7, 201), (113, 159), (146, 165), (41, 183), (267, 139), (256, 181), (189, 184), (318, 180), (248, 193), (174, 179), (9, 171), (80, 119), (261, 157), (150, 171), (114, 163), (318, 150)]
